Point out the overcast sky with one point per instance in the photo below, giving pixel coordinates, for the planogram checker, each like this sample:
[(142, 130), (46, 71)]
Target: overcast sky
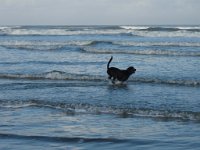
[(98, 12)]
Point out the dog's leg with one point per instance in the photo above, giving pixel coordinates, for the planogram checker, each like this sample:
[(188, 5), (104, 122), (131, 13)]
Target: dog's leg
[(113, 80)]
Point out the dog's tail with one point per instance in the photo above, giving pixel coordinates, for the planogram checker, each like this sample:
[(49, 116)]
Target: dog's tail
[(109, 62)]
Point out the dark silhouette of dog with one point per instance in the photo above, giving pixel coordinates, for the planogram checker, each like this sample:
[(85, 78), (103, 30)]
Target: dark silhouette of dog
[(121, 75)]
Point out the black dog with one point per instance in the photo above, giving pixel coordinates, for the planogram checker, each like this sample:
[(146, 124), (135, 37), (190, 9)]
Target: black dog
[(120, 75)]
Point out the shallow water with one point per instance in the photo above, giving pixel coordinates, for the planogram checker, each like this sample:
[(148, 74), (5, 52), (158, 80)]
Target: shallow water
[(54, 91)]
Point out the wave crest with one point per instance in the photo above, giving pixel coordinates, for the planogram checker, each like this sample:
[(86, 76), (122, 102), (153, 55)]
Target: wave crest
[(59, 75), (58, 30), (81, 108)]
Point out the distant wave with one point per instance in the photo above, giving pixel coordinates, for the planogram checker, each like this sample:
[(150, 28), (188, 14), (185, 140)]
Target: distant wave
[(59, 30), (59, 75), (89, 46), (132, 43), (48, 45), (163, 28), (140, 52), (134, 27), (164, 31), (41, 45), (81, 108), (149, 31)]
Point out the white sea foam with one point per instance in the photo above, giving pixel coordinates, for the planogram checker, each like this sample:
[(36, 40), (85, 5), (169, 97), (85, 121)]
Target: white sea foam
[(189, 28), (13, 31), (160, 28), (134, 27), (4, 27)]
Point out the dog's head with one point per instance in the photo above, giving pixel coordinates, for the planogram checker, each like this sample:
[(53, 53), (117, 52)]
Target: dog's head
[(131, 70)]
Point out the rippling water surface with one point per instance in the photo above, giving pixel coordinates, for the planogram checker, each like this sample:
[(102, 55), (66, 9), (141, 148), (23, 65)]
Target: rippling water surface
[(54, 91)]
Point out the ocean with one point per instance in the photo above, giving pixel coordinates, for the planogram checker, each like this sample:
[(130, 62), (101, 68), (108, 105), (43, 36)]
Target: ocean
[(55, 92)]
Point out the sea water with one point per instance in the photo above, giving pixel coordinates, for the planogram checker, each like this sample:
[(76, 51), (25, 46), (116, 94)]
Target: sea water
[(55, 92)]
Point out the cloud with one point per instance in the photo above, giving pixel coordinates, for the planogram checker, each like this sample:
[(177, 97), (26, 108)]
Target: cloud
[(99, 12)]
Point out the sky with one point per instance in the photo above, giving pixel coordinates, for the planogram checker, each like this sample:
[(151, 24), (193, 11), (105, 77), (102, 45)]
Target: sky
[(99, 12)]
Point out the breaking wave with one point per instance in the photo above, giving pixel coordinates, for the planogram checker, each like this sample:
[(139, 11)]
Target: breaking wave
[(149, 31), (163, 28), (85, 108), (59, 75), (164, 31), (59, 30)]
